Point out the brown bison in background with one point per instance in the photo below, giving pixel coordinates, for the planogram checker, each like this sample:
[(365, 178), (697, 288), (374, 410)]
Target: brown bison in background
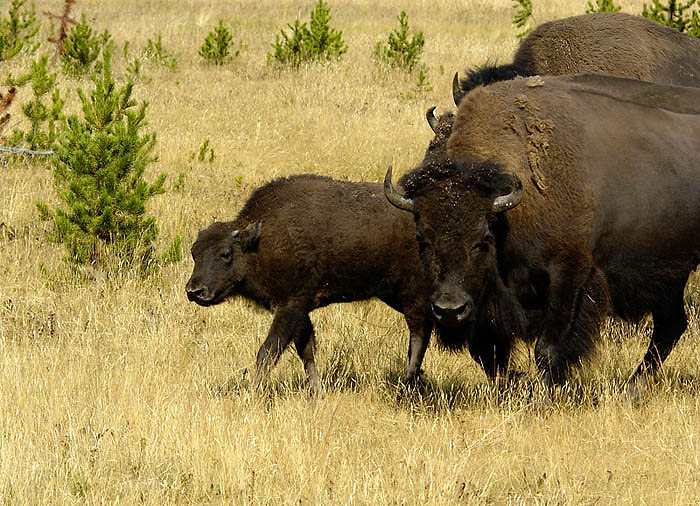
[(605, 42), (306, 241), (611, 43), (584, 190)]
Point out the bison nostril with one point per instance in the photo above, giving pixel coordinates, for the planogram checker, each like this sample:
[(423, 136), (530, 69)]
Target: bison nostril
[(458, 310), (196, 294)]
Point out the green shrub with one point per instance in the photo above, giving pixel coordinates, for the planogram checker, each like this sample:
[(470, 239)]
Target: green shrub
[(218, 46), (44, 119), (82, 47), (316, 42), (674, 14), (522, 17), (98, 169), (156, 53), (602, 6), (399, 51), (18, 30)]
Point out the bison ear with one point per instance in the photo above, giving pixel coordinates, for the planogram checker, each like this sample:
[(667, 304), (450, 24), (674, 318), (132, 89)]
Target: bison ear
[(250, 236)]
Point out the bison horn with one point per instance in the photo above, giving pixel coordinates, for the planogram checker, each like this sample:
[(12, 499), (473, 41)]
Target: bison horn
[(432, 120), (506, 202), (457, 92), (393, 196)]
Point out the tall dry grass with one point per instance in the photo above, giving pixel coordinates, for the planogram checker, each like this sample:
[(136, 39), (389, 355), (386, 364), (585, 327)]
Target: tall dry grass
[(119, 391)]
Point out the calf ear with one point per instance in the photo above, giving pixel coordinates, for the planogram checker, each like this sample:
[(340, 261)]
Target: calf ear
[(250, 236)]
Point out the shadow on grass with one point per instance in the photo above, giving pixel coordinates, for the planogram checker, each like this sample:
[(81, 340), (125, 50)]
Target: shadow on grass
[(447, 391)]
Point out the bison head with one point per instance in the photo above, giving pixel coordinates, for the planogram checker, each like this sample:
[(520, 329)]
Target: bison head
[(219, 255), (455, 209), (442, 128)]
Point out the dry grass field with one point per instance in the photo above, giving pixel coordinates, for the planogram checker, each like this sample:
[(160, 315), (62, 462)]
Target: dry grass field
[(120, 391)]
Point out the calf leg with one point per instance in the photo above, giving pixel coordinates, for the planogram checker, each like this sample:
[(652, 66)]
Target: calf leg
[(420, 329), (670, 322), (575, 308), (287, 323), (305, 345)]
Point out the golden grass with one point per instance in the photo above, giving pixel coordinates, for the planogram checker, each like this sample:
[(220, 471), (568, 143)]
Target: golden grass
[(119, 391)]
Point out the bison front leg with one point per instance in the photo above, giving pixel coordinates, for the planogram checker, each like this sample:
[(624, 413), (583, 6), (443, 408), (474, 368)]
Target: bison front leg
[(420, 329), (288, 323), (575, 308)]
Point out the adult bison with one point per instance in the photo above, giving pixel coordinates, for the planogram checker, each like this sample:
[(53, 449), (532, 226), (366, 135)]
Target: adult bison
[(584, 190), (611, 43), (604, 42), (303, 242)]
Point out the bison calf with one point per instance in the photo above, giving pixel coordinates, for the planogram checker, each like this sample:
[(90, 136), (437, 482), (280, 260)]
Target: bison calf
[(306, 241)]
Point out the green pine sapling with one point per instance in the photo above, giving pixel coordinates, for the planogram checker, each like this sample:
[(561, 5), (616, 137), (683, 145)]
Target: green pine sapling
[(98, 169)]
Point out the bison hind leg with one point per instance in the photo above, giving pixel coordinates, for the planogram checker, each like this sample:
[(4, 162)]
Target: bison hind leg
[(305, 344), (670, 321)]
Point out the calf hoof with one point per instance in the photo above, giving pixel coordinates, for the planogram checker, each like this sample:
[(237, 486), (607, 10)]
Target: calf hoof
[(636, 389)]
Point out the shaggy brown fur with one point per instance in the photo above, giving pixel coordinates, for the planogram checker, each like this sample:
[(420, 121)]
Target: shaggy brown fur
[(306, 241), (610, 208), (604, 42)]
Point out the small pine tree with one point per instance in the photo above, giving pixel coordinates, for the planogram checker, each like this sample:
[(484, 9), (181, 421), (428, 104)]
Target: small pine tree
[(82, 47), (217, 45), (18, 30), (324, 42), (318, 43), (522, 16), (37, 112), (98, 168), (602, 6), (399, 51), (674, 14), (156, 53), (693, 27)]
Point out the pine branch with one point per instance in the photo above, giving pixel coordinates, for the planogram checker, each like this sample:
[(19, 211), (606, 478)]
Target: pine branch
[(65, 21), (5, 102)]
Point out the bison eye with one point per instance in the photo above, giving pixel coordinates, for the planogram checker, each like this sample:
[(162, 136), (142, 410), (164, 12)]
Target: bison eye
[(480, 247), (226, 256)]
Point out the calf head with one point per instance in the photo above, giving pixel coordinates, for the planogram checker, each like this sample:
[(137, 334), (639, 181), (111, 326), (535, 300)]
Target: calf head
[(454, 209), (220, 262)]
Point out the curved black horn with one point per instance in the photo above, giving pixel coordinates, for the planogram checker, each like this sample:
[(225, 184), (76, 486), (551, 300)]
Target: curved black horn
[(432, 120), (457, 92), (509, 201), (393, 196)]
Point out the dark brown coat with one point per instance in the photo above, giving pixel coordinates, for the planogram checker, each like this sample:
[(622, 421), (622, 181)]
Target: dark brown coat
[(306, 241), (585, 190)]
